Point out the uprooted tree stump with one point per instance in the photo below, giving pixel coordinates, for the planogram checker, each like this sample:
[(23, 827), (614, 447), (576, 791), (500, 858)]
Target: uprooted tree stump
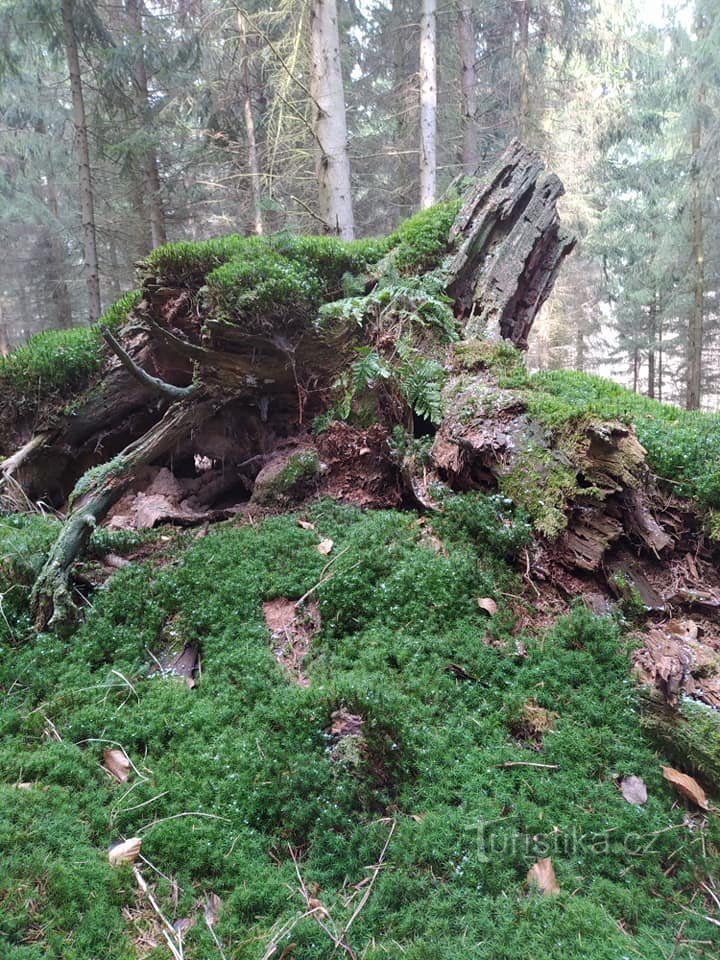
[(264, 369)]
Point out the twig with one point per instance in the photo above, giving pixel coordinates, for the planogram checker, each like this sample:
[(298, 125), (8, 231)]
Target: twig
[(527, 763), (177, 816), (375, 870), (174, 939), (311, 213)]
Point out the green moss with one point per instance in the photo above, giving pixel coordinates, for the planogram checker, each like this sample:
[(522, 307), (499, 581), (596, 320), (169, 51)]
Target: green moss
[(112, 468), (683, 446), (55, 363), (500, 357), (422, 240), (539, 483), (249, 746), (289, 481)]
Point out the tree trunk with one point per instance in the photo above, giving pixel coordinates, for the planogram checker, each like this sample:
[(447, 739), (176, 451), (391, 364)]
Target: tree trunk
[(150, 173), (60, 294), (523, 16), (253, 163), (695, 327), (652, 374), (636, 369), (332, 164), (87, 204), (4, 342), (468, 80), (428, 103)]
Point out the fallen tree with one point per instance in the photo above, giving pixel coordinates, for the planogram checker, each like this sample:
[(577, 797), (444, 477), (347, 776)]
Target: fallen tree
[(253, 370)]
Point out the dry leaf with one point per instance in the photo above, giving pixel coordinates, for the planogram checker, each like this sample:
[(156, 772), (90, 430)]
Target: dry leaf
[(306, 525), (213, 905), (183, 925), (687, 786), (116, 764), (542, 876), (325, 546), (126, 851), (634, 790), (487, 604)]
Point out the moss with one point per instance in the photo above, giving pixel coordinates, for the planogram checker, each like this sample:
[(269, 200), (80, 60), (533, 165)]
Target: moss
[(280, 486), (542, 486), (500, 357), (422, 240), (96, 475), (55, 363), (252, 748), (683, 447)]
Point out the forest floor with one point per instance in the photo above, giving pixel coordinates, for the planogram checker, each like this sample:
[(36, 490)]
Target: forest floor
[(337, 732)]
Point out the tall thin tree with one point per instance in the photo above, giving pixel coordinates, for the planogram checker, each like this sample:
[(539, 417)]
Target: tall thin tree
[(87, 204), (428, 103), (330, 128), (468, 85)]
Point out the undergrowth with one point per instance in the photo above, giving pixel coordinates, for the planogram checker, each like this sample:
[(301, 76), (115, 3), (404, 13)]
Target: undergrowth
[(246, 767)]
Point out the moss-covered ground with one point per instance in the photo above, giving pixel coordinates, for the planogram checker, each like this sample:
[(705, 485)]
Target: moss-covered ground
[(234, 773)]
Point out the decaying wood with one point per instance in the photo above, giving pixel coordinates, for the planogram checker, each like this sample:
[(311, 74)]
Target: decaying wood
[(510, 246), (51, 600)]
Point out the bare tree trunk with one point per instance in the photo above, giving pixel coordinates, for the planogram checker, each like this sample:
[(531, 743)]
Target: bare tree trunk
[(466, 41), (332, 164), (651, 352), (428, 103), (660, 362), (87, 205), (4, 342), (60, 293), (150, 171), (636, 369), (695, 327), (523, 16), (253, 163)]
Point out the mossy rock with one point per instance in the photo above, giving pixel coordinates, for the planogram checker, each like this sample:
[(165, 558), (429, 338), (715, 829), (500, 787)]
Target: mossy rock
[(287, 478)]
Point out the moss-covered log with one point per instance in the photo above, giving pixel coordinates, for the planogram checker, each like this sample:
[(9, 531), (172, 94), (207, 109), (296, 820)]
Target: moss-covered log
[(51, 600), (688, 734)]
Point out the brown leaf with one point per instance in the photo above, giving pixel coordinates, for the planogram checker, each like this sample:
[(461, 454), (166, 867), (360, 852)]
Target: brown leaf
[(306, 525), (487, 604), (687, 786), (116, 764), (127, 851), (634, 790), (213, 905), (325, 546), (183, 925), (542, 876)]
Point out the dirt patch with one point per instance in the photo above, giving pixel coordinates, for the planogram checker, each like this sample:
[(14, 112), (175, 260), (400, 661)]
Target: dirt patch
[(292, 630), (358, 468)]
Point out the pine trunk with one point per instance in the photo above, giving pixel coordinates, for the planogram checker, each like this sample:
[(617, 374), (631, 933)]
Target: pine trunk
[(695, 327), (87, 205), (466, 42), (523, 15), (253, 163), (150, 171), (428, 104), (332, 163)]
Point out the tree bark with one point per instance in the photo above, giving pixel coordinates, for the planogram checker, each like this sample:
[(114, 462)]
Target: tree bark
[(253, 163), (4, 342), (468, 80), (695, 327), (150, 172), (332, 162), (87, 204), (510, 246), (428, 104), (523, 16)]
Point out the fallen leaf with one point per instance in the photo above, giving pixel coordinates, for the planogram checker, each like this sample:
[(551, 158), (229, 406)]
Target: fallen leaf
[(183, 925), (325, 546), (542, 876), (213, 905), (306, 525), (116, 764), (687, 786), (487, 604), (634, 790), (127, 851)]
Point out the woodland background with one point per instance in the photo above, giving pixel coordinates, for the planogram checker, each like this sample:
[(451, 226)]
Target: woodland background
[(200, 118)]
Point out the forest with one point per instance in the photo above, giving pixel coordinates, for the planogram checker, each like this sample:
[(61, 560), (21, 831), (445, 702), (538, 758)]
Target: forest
[(359, 480)]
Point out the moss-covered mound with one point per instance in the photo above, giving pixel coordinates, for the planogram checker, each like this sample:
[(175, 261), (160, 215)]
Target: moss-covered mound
[(476, 750)]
